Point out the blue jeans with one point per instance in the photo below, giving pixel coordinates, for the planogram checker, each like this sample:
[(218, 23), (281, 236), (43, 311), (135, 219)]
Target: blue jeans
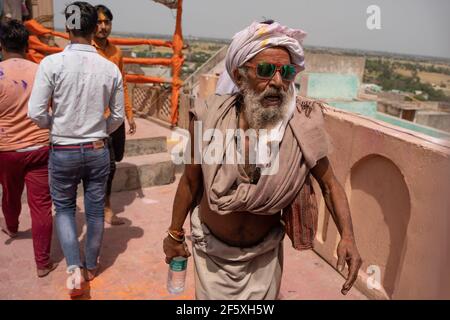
[(67, 168)]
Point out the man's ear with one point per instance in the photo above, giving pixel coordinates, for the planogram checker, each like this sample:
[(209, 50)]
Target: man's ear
[(237, 77)]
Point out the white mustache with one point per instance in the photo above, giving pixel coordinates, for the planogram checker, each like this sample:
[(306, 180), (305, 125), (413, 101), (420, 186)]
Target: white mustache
[(271, 92)]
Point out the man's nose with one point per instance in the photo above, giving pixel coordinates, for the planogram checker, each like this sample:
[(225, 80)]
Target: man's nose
[(277, 80)]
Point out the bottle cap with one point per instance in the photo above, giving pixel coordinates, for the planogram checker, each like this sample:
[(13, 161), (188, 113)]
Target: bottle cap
[(178, 263)]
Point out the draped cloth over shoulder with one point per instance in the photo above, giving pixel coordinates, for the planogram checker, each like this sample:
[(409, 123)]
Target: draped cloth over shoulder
[(304, 143)]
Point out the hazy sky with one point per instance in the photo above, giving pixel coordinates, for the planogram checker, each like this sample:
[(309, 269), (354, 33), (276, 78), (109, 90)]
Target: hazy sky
[(407, 26)]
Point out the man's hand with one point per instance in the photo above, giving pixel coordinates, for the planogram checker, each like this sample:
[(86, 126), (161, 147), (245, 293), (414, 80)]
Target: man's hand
[(174, 248), (132, 125), (347, 251)]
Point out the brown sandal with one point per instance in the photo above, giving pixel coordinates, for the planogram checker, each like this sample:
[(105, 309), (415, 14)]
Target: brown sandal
[(9, 233), (90, 274), (44, 272)]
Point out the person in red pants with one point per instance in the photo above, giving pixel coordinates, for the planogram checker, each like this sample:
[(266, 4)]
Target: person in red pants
[(24, 147)]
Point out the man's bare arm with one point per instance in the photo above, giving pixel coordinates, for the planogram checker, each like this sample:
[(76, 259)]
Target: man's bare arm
[(337, 204), (185, 197), (334, 196)]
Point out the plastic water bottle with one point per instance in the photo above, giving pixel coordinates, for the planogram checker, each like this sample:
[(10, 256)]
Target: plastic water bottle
[(177, 275)]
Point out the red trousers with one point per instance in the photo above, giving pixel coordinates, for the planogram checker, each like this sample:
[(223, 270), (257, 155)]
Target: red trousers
[(30, 168)]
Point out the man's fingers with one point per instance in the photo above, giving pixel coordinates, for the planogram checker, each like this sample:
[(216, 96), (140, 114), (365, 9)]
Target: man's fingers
[(172, 250), (341, 262), (354, 266), (132, 129), (186, 249)]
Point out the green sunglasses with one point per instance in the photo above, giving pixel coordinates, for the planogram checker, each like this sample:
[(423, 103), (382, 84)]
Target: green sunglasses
[(266, 70)]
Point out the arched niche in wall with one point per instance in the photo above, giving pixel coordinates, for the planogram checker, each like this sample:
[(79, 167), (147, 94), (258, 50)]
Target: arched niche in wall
[(380, 205)]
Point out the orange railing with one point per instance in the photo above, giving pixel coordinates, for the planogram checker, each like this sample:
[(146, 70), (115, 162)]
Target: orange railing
[(38, 50)]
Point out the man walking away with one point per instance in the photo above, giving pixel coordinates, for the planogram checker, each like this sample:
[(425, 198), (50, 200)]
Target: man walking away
[(80, 83), (23, 147)]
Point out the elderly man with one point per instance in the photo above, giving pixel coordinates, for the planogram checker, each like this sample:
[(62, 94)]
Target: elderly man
[(244, 209)]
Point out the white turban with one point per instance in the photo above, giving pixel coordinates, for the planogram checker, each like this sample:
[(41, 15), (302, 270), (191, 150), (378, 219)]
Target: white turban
[(252, 40)]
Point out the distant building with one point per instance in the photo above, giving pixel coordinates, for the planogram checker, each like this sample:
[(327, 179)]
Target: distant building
[(343, 90), (371, 88), (334, 63), (42, 11)]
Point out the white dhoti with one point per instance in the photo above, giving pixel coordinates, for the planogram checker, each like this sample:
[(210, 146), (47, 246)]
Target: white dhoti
[(223, 272)]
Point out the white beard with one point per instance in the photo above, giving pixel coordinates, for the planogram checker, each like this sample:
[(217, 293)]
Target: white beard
[(260, 117)]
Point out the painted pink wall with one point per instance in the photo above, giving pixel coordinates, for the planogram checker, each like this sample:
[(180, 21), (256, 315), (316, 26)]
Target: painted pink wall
[(397, 185)]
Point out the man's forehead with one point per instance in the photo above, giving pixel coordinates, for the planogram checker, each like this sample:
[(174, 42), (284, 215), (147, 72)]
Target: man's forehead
[(272, 53), (102, 17)]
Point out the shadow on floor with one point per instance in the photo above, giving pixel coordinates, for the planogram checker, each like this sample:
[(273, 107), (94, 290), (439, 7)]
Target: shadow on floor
[(115, 238), (119, 201), (115, 242), (21, 235)]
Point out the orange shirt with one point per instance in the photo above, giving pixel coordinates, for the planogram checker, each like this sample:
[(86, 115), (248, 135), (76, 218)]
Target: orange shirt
[(114, 54), (17, 131)]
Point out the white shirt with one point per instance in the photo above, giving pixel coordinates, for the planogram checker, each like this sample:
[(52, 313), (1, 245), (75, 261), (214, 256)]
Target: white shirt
[(81, 85)]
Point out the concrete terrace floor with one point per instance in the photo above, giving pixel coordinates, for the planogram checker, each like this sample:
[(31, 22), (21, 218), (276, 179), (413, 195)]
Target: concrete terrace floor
[(132, 260)]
